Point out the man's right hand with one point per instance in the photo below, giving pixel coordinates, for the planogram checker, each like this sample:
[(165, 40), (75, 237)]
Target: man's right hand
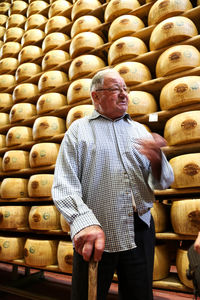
[(90, 240)]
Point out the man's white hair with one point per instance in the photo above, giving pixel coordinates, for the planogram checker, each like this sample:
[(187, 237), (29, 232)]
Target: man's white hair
[(98, 79)]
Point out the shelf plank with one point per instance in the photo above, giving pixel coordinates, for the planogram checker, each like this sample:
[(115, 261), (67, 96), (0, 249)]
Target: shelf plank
[(184, 192), (35, 231), (171, 151), (174, 236), (29, 171), (28, 199)]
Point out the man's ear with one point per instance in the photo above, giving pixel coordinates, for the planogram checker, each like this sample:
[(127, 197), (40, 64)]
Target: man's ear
[(95, 96)]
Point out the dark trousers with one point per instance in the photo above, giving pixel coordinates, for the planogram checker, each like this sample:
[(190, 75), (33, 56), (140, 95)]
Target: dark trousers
[(134, 269)]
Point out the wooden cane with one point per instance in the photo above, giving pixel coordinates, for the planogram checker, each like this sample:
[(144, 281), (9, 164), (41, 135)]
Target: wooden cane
[(92, 280)]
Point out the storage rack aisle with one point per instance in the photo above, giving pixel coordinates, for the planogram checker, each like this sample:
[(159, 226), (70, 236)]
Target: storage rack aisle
[(49, 52)]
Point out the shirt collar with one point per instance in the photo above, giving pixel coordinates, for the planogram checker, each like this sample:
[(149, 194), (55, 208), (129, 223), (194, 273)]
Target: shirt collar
[(96, 115)]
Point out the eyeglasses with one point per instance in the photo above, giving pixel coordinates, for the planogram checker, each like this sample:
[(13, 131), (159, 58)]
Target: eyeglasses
[(123, 89)]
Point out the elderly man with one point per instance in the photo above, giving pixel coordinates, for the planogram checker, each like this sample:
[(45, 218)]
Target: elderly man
[(106, 171)]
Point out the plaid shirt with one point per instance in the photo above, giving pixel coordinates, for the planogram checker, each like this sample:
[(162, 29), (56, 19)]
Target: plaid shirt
[(98, 169)]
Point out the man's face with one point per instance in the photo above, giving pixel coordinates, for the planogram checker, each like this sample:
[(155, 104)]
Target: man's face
[(111, 100)]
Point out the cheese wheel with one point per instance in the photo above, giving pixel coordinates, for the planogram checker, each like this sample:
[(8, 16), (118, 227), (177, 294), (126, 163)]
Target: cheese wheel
[(53, 40), (44, 217), (17, 135), (64, 224), (13, 34), (34, 21), (43, 154), (21, 111), (40, 253), (16, 20), (14, 217), (78, 112), (5, 100), (26, 71), (54, 58), (182, 265), (185, 216), (60, 7), (84, 23), (24, 91), (49, 102), (51, 79), (183, 128), (10, 49), (14, 188), (4, 119), (2, 141), (36, 7), (32, 36), (65, 256), (8, 65), (171, 31), (141, 103), (11, 248), (162, 262), (1, 43), (15, 160), (116, 8), (4, 7), (177, 59), (2, 32), (29, 53), (163, 9), (124, 25), (83, 7), (3, 19), (84, 42), (125, 48), (133, 72), (79, 90), (180, 92), (45, 127), (40, 185), (18, 7), (84, 65), (160, 214), (186, 170), (56, 23), (6, 80)]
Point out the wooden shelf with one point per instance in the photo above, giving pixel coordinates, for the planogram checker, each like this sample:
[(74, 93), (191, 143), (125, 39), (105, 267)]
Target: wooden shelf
[(178, 193), (23, 200), (28, 145), (171, 151), (60, 112), (172, 282), (35, 231), (28, 171), (164, 115), (174, 236)]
